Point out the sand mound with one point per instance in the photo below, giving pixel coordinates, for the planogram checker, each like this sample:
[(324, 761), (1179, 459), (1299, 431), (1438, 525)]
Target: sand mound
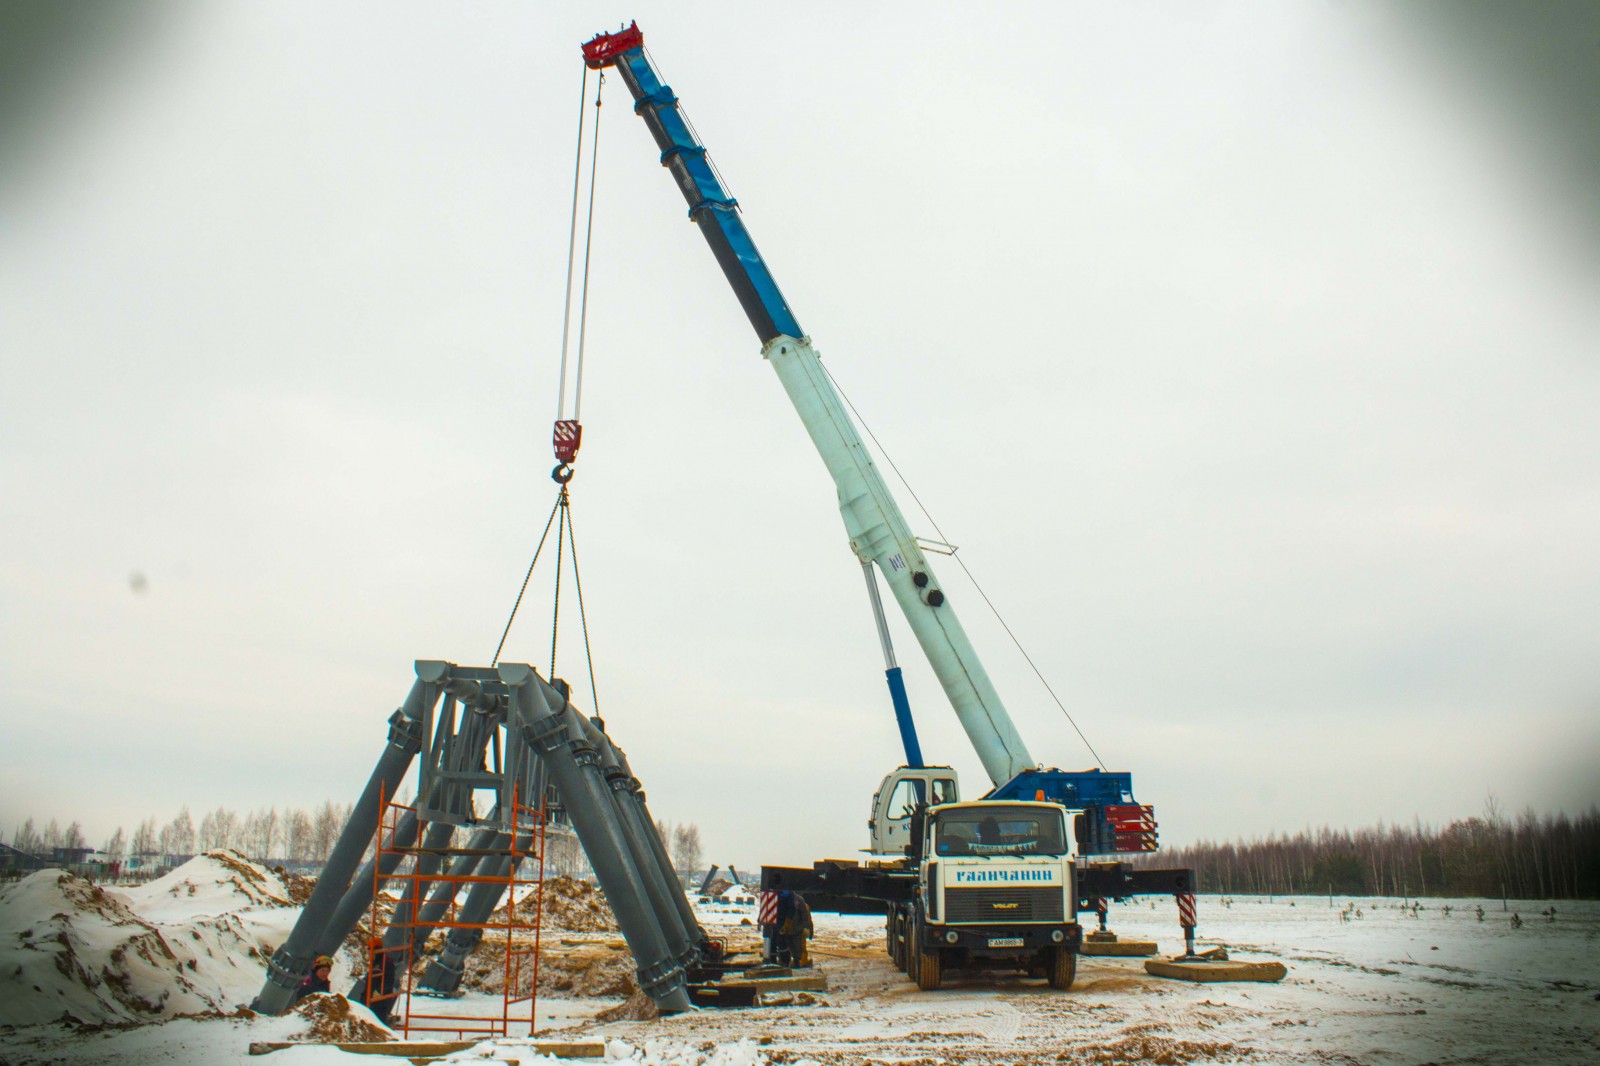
[(569, 906), (638, 1008), (193, 942), (331, 1019)]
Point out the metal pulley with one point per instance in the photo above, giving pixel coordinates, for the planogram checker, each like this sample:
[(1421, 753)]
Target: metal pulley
[(566, 438)]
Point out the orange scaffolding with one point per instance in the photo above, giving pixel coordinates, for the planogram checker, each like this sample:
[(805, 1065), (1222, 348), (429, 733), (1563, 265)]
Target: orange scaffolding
[(521, 932)]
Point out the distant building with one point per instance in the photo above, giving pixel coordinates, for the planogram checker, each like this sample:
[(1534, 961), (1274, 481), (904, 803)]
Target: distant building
[(12, 859)]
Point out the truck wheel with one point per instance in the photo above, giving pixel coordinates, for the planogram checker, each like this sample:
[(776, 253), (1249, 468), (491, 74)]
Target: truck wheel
[(1063, 968), (930, 969), (898, 943)]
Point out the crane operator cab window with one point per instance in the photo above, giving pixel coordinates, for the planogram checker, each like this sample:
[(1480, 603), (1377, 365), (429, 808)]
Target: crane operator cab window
[(996, 829), (912, 793)]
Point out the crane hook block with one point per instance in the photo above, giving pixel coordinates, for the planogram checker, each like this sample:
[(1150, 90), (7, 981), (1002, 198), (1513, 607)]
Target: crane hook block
[(606, 47), (566, 438), (562, 474)]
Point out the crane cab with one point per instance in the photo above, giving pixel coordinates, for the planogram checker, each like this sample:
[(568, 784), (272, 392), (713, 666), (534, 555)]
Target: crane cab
[(899, 796)]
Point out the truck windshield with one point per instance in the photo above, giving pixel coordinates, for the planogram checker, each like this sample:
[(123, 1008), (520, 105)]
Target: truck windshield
[(996, 829)]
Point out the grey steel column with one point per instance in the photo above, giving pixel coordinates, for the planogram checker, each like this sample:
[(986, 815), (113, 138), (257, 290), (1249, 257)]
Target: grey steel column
[(557, 734), (661, 886), (292, 961), (663, 861)]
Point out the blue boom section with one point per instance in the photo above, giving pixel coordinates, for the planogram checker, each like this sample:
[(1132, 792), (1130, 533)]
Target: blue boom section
[(710, 206), (1076, 789), (902, 717)]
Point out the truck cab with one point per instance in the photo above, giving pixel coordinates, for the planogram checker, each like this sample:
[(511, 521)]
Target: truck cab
[(995, 889)]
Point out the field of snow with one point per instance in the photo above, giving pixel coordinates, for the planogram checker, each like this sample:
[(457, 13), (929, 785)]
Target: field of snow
[(1394, 986)]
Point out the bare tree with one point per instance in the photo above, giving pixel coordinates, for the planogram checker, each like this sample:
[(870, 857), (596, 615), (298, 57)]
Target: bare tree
[(325, 831), (182, 839), (144, 837), (72, 839), (27, 839), (117, 846), (299, 836), (686, 849)]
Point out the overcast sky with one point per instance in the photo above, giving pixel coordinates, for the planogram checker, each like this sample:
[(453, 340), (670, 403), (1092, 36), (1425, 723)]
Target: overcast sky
[(1250, 352)]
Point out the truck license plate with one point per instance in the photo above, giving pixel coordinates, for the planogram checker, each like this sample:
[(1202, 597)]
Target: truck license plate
[(1005, 941)]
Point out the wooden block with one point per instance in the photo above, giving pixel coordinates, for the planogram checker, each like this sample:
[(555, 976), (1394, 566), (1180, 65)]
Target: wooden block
[(433, 1050), (1118, 947), (612, 942), (811, 982), (571, 1049), (1207, 972), (418, 1049)]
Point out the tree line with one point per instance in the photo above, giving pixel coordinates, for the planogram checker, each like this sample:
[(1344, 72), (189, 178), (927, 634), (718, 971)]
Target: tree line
[(297, 836), (292, 834), (1494, 856)]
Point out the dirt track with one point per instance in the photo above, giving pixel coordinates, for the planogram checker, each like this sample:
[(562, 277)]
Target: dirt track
[(871, 1012)]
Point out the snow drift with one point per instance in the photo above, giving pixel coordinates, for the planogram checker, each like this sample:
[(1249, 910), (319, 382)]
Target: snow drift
[(192, 942)]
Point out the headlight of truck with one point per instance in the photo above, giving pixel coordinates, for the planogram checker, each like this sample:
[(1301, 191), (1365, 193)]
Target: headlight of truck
[(950, 937), (1058, 936)]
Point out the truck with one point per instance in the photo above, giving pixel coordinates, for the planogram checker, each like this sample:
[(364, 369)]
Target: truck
[(994, 882)]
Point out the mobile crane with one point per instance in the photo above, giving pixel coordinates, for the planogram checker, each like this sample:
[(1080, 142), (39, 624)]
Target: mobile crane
[(995, 882)]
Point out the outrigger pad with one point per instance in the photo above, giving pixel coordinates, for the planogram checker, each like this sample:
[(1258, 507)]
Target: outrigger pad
[(1206, 972)]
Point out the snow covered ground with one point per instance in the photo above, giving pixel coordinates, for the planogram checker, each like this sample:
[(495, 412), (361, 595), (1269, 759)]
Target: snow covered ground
[(1385, 989)]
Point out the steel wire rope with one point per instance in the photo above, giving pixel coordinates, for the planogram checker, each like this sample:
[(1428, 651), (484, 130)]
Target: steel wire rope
[(583, 615), (555, 619), (498, 648), (588, 246), (955, 554), (572, 248)]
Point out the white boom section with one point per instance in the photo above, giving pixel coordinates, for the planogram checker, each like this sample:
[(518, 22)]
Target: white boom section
[(879, 534)]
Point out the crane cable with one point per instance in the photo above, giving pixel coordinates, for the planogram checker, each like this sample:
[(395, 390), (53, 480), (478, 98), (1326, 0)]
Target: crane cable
[(572, 249), (961, 563), (563, 504)]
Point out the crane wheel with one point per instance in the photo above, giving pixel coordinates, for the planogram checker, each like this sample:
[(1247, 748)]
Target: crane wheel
[(1062, 969), (930, 969)]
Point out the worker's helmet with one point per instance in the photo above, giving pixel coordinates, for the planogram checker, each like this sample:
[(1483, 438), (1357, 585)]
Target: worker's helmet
[(321, 961)]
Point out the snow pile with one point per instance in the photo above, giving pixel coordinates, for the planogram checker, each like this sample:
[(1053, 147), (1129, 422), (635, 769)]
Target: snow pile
[(213, 883), (192, 942)]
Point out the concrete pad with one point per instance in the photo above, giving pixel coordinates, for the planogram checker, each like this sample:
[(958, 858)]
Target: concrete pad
[(1118, 947), (1207, 972)]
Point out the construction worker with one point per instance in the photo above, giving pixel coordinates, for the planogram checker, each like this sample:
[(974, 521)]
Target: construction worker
[(377, 987), (785, 925), (767, 915), (794, 930), (317, 981)]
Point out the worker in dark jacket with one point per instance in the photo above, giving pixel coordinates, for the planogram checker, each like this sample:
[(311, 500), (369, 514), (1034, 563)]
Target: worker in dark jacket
[(377, 987), (321, 971), (794, 929), (785, 924)]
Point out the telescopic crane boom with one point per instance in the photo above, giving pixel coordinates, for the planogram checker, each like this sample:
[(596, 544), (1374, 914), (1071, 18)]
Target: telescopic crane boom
[(877, 529)]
